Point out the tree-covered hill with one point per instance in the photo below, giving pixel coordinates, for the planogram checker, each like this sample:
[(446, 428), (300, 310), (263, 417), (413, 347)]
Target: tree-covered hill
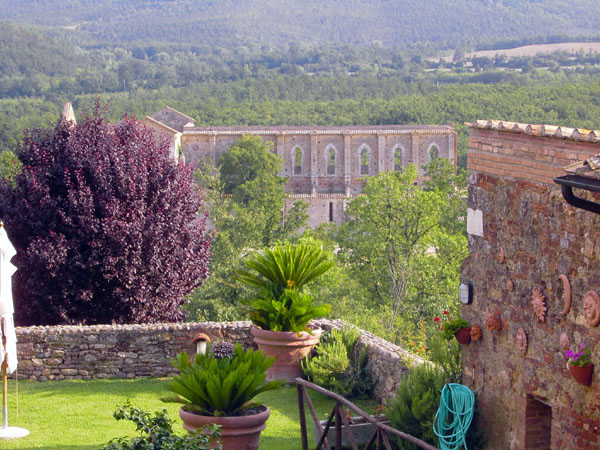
[(277, 23)]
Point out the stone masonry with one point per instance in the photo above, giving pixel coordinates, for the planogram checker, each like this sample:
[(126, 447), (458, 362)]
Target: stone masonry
[(133, 351), (320, 162), (522, 237)]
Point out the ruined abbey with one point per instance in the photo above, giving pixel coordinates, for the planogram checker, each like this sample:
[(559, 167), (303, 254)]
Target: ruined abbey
[(325, 165)]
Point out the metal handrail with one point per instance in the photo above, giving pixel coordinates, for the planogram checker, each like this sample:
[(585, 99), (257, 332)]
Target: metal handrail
[(380, 435)]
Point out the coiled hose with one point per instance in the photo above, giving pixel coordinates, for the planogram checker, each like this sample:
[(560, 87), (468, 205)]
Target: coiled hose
[(454, 416)]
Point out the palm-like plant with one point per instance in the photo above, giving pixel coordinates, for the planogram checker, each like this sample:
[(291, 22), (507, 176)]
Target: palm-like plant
[(285, 267), (281, 273), (220, 387), (290, 312)]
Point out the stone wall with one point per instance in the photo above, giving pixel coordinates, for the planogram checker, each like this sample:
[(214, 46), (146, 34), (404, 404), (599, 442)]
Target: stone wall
[(523, 236), (132, 351)]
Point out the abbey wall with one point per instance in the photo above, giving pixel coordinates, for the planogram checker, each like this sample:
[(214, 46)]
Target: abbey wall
[(325, 165)]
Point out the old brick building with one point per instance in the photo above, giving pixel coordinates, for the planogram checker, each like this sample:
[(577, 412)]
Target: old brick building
[(325, 165), (530, 250)]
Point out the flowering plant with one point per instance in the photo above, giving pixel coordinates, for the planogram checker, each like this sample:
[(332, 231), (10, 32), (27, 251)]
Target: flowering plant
[(441, 320), (450, 326), (581, 358)]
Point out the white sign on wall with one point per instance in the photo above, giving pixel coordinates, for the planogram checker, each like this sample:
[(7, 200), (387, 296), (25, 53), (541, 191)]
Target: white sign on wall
[(475, 222)]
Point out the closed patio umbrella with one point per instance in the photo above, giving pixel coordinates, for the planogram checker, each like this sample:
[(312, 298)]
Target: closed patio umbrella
[(8, 350)]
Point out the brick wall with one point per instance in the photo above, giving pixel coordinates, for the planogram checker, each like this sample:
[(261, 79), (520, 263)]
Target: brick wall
[(132, 351), (526, 238)]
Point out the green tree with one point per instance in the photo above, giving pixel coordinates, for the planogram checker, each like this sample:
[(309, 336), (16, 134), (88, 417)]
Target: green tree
[(10, 166), (246, 202), (397, 246)]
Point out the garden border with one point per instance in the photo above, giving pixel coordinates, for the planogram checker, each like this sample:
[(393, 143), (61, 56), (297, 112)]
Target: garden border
[(135, 351)]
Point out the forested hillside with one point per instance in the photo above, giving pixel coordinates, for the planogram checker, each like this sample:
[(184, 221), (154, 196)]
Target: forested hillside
[(277, 23)]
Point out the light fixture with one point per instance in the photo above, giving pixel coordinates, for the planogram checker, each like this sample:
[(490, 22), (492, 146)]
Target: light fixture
[(200, 343), (466, 293)]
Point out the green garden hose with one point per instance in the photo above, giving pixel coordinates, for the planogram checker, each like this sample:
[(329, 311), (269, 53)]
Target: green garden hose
[(454, 416)]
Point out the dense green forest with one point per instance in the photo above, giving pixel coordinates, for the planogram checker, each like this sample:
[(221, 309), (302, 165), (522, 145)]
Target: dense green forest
[(334, 100), (296, 85), (276, 23)]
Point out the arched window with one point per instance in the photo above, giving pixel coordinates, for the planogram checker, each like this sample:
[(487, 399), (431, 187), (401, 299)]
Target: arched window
[(364, 161), (399, 162), (297, 156), (434, 153), (331, 160)]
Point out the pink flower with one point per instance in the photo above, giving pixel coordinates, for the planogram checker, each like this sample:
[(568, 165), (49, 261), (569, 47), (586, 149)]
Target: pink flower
[(446, 313), (437, 319)]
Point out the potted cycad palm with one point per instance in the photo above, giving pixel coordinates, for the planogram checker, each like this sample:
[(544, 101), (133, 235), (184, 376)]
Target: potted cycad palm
[(281, 311), (217, 387)]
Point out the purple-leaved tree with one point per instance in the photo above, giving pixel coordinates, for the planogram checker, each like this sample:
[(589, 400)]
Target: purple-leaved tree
[(105, 224)]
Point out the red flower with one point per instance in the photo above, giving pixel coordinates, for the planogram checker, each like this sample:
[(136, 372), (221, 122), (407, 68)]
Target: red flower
[(446, 312), (437, 319)]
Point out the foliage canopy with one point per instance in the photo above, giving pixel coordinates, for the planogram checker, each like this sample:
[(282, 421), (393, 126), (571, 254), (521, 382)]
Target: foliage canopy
[(105, 224)]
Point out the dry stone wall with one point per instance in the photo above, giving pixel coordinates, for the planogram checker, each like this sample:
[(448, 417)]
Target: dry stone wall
[(526, 238), (132, 351)]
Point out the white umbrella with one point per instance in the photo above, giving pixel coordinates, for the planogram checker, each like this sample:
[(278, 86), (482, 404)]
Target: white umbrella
[(8, 349)]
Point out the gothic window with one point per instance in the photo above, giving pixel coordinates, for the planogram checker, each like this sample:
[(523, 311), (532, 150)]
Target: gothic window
[(434, 153), (297, 155), (331, 161), (364, 161), (398, 160)]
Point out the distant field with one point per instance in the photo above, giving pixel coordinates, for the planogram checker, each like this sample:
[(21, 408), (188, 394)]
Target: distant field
[(532, 50)]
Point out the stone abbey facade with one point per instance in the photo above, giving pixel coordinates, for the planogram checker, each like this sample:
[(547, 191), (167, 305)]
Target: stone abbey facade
[(325, 165)]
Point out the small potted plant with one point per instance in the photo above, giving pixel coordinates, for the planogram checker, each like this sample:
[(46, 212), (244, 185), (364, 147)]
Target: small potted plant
[(281, 311), (217, 388), (457, 328), (580, 364)]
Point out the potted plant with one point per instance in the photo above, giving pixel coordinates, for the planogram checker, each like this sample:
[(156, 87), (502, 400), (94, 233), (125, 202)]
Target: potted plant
[(281, 311), (217, 387), (457, 328), (580, 364)]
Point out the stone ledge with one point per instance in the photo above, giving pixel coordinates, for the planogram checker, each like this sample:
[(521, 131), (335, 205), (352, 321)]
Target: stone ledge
[(142, 350)]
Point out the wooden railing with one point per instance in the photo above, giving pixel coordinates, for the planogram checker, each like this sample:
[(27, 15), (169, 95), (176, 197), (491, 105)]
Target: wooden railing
[(379, 436)]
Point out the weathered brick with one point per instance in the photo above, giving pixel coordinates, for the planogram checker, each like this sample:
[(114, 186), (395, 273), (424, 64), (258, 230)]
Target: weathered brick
[(540, 234)]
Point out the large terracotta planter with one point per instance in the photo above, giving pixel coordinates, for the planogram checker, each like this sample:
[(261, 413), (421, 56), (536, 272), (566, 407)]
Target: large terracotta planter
[(463, 336), (288, 349), (237, 432), (583, 374)]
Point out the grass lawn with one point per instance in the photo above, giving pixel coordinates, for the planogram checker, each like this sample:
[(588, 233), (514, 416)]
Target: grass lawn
[(77, 415)]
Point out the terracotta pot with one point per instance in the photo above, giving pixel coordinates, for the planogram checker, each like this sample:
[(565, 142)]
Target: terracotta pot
[(463, 336), (583, 374), (288, 349), (237, 433)]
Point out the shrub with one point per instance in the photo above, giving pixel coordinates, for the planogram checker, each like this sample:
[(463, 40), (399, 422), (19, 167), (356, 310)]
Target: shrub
[(337, 365), (157, 433), (413, 408), (105, 224), (220, 386), (417, 399)]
